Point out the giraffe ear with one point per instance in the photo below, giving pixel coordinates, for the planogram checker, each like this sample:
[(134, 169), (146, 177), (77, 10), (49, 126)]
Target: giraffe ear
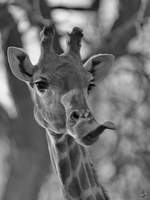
[(99, 66), (20, 63)]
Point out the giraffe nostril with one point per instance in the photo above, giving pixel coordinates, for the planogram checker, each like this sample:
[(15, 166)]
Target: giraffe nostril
[(75, 115)]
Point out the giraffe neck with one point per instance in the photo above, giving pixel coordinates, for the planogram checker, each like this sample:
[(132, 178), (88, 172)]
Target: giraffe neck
[(74, 169)]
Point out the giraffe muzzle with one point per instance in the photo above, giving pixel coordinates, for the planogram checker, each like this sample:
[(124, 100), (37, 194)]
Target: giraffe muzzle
[(86, 129)]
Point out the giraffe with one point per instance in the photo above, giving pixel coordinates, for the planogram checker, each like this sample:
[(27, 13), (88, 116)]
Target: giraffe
[(60, 85)]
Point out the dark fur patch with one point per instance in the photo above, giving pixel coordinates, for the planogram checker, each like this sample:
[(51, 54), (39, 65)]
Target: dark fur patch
[(70, 140), (61, 146), (83, 178), (74, 156), (64, 169), (74, 188)]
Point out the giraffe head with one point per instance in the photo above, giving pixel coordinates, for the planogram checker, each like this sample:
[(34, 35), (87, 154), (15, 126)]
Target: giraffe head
[(61, 85)]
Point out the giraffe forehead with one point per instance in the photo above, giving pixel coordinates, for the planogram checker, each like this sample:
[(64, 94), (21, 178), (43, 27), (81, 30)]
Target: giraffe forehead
[(60, 66), (54, 70), (53, 62)]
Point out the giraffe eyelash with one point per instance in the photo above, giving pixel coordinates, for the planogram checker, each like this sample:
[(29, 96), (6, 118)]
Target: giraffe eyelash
[(41, 85), (91, 85)]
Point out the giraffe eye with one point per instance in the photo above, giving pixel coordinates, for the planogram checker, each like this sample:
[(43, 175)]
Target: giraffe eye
[(42, 85)]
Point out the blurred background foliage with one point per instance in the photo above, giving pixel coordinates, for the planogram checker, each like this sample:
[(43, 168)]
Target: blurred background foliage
[(122, 158)]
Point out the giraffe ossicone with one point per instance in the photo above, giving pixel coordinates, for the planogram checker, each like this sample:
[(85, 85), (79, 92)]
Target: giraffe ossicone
[(61, 85)]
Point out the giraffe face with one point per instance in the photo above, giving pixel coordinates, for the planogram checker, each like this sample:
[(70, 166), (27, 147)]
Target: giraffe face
[(61, 85), (52, 86)]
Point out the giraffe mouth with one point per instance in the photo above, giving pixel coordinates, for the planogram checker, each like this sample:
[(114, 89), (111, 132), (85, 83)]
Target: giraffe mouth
[(92, 136)]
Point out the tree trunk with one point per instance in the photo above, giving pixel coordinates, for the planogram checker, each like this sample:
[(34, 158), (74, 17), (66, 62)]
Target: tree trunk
[(29, 159)]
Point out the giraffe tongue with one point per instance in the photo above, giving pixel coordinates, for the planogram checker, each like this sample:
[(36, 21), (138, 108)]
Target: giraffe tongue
[(92, 137)]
